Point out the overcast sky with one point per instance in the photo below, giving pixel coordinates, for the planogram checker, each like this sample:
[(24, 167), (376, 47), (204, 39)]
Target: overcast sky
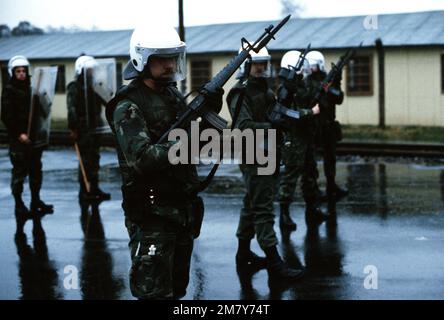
[(126, 14)]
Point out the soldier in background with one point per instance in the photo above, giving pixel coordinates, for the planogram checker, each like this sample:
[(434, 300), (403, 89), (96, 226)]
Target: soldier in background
[(298, 151), (22, 128), (328, 130), (84, 119), (257, 214)]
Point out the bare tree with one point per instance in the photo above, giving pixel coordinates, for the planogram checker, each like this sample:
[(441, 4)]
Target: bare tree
[(293, 7)]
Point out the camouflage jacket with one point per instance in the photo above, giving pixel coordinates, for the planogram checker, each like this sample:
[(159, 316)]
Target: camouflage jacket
[(258, 101), (138, 116)]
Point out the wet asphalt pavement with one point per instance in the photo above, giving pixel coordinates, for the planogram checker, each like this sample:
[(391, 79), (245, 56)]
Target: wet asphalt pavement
[(392, 223)]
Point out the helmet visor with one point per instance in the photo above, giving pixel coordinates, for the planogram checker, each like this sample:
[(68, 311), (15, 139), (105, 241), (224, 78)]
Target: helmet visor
[(166, 64), (261, 68)]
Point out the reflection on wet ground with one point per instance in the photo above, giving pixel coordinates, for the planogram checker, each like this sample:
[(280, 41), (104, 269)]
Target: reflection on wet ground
[(392, 220)]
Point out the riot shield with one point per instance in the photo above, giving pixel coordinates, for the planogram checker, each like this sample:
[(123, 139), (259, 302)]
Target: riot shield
[(104, 78), (101, 77), (43, 89)]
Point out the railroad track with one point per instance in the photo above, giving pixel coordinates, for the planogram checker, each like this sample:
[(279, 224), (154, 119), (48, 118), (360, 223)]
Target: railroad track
[(346, 147)]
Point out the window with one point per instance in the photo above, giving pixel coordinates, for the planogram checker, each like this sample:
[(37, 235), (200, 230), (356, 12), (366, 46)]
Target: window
[(200, 73), (442, 73), (360, 76), (119, 74), (61, 79)]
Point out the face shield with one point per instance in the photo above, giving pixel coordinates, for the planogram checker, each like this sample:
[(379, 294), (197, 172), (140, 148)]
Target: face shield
[(165, 64), (316, 64), (261, 67)]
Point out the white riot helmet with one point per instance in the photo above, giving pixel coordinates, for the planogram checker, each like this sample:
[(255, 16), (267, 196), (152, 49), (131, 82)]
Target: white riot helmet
[(147, 41), (316, 59), (289, 61), (17, 61), (261, 56), (84, 62)]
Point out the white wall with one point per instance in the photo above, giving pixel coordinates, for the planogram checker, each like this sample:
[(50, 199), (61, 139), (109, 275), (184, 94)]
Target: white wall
[(413, 87)]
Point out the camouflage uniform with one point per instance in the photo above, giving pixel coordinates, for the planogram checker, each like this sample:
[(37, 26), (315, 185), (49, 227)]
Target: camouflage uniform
[(329, 130), (257, 214), (85, 124), (157, 196), (25, 159), (298, 153)]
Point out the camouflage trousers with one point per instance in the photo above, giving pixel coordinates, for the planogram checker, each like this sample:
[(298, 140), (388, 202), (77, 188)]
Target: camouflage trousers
[(298, 155), (257, 214), (160, 255), (89, 147), (26, 161)]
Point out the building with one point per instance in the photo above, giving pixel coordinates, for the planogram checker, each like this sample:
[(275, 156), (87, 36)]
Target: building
[(399, 82)]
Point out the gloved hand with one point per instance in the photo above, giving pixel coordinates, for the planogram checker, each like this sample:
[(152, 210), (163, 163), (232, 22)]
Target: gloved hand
[(214, 99)]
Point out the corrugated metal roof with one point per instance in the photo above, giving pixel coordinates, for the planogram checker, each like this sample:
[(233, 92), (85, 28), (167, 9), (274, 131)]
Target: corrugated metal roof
[(405, 29)]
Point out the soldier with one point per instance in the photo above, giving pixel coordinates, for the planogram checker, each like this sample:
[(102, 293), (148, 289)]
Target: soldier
[(22, 128), (329, 130), (298, 152), (257, 216), (158, 197), (84, 117)]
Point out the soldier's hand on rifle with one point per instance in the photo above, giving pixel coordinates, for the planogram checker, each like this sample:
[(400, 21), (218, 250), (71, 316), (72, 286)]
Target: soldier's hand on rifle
[(316, 109), (214, 99), (74, 134), (23, 138)]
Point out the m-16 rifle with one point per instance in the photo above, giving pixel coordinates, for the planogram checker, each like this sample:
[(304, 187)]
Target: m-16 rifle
[(335, 73), (289, 74), (198, 106), (238, 60)]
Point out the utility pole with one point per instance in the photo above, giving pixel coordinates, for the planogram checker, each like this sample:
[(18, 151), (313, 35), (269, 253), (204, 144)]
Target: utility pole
[(183, 84), (381, 82)]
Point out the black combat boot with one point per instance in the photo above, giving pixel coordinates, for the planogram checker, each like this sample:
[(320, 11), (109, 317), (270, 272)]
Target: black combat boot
[(97, 193), (278, 269), (41, 208), (285, 221), (247, 258), (314, 215)]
